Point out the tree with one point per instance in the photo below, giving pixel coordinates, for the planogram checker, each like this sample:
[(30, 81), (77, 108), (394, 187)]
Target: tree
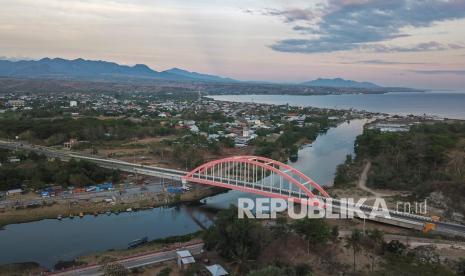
[(374, 241), (239, 240), (460, 267), (165, 272), (395, 247), (115, 269), (354, 241), (335, 233), (314, 231)]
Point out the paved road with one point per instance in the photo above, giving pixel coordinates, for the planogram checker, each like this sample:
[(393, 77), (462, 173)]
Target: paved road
[(133, 262)]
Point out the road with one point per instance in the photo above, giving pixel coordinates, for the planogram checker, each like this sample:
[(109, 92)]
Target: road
[(134, 261)]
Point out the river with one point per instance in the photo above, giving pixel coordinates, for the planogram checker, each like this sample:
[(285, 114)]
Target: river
[(49, 241)]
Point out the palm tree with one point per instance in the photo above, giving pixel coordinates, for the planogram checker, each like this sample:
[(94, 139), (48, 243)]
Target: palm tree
[(354, 241), (374, 242)]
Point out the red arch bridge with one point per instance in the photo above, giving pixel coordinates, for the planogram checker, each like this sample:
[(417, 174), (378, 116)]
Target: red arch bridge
[(258, 175)]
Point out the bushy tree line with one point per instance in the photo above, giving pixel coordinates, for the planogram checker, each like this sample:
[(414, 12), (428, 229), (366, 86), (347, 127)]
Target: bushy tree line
[(57, 131), (36, 172), (287, 143)]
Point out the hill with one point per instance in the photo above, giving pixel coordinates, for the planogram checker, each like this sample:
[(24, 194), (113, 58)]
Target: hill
[(338, 82)]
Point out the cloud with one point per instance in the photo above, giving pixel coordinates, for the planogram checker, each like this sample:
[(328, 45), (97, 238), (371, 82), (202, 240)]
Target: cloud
[(320, 46), (420, 47), (440, 72), (364, 24), (292, 15), (384, 62)]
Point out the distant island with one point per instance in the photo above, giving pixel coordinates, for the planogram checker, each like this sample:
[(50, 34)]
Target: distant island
[(79, 74)]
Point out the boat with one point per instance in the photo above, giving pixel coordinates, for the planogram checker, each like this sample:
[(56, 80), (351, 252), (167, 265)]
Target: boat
[(138, 242), (129, 210), (59, 217), (81, 214)]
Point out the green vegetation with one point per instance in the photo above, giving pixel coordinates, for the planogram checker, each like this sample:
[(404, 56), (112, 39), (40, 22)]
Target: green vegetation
[(238, 240), (165, 271), (292, 135), (314, 231), (428, 158), (177, 239), (354, 241), (57, 131), (277, 270), (36, 171)]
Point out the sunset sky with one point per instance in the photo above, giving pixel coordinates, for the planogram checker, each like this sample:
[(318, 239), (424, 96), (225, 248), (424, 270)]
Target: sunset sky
[(390, 42)]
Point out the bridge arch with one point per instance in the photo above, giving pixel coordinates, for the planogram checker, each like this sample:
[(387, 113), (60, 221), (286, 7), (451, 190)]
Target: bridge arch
[(258, 175)]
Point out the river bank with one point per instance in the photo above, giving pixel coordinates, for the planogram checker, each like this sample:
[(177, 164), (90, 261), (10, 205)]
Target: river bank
[(68, 210)]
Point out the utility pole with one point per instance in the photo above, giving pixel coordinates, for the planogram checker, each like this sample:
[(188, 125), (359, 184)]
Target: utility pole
[(134, 160)]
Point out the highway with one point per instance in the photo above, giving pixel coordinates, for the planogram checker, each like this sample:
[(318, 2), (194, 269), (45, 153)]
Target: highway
[(401, 219), (133, 262)]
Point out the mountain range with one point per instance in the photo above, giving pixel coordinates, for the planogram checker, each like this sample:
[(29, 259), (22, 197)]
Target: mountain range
[(90, 69), (96, 69)]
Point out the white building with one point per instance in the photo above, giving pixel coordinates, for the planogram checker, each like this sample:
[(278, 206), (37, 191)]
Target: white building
[(194, 128), (184, 259), (216, 270), (73, 104)]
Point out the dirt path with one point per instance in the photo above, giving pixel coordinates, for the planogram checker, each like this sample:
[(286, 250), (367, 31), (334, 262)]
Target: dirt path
[(363, 181)]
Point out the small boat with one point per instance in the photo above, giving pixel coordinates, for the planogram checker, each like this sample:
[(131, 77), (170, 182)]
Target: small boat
[(129, 210), (59, 217), (81, 214), (95, 214), (71, 216), (108, 213), (138, 242)]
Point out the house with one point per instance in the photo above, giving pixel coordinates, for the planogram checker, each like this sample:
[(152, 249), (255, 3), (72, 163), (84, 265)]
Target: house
[(216, 270), (184, 259), (16, 103), (71, 143), (213, 137), (194, 128), (73, 104), (14, 159), (14, 192)]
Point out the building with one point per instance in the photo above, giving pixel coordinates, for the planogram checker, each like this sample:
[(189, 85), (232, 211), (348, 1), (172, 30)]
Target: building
[(16, 103), (390, 127), (216, 270), (73, 104), (70, 143), (194, 128), (184, 259), (14, 192)]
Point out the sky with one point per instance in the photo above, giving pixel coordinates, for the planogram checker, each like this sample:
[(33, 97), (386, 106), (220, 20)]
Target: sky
[(415, 43)]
